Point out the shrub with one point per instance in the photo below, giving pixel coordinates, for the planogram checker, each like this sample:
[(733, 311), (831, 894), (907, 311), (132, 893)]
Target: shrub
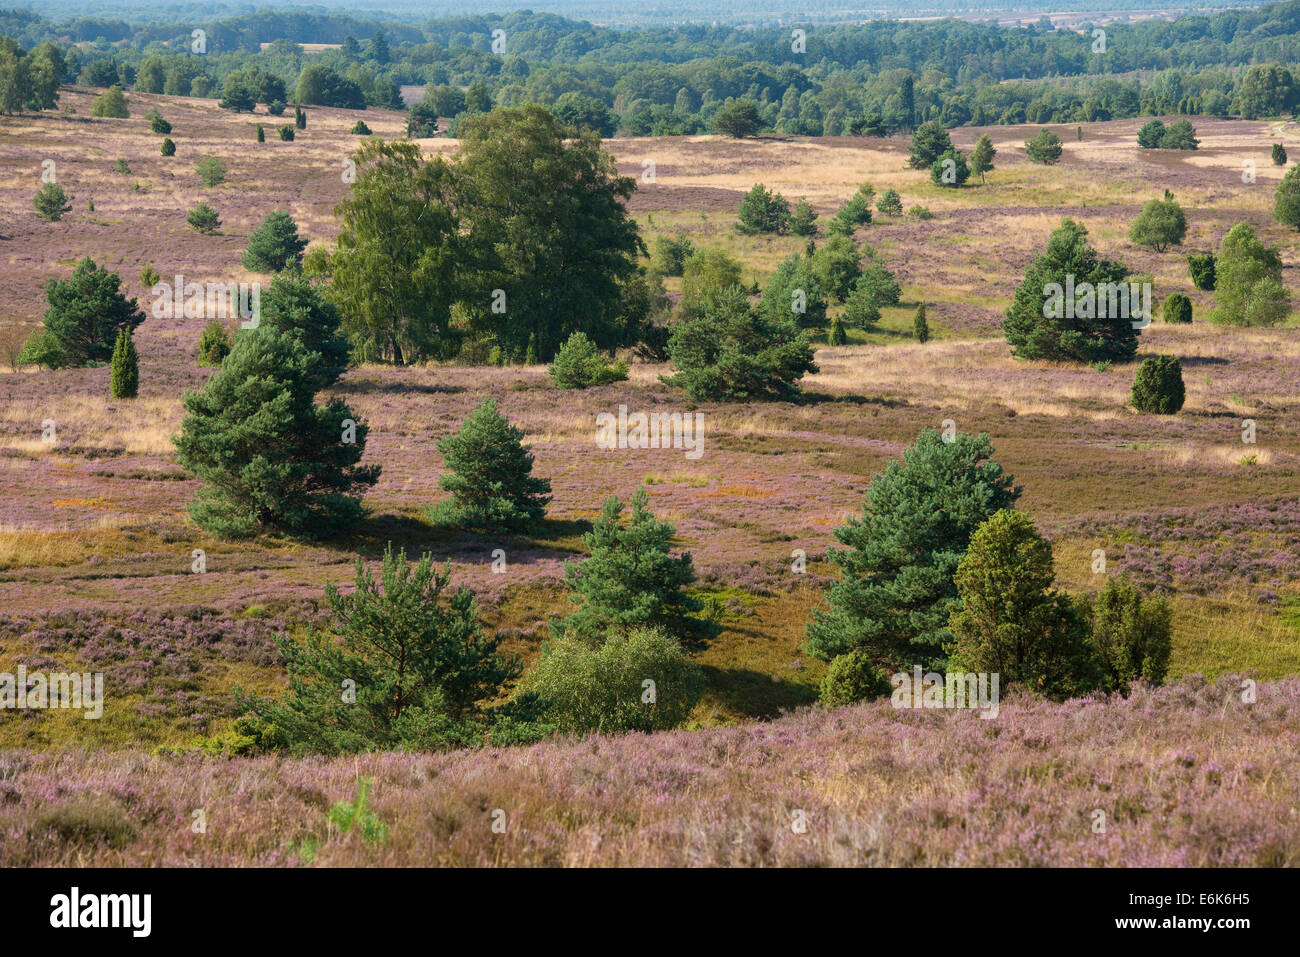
[(890, 203), (1178, 308), (85, 313), (1286, 199), (794, 293), (579, 364), (1151, 134), (417, 666), (981, 158), (836, 336), (301, 476), (1279, 154), (738, 118), (929, 142), (1161, 224), (919, 212), (121, 166), (670, 255), (803, 221), (212, 172), (261, 134), (1010, 621), (149, 276), (763, 212), (203, 218), (111, 103), (851, 678), (728, 351), (837, 263), (1180, 135), (51, 202), (157, 123), (1248, 288), (950, 170), (275, 107), (286, 133), (168, 147), (299, 118), (43, 351), (602, 687), (1044, 147), (896, 590), (214, 344), (920, 328), (1131, 634), (631, 579), (854, 213), (489, 475), (125, 374), (359, 128), (1038, 326), (1201, 267), (1158, 387), (274, 245)]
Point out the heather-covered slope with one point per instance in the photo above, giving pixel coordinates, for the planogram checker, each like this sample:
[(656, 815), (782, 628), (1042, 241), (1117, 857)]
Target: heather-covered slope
[(1185, 775)]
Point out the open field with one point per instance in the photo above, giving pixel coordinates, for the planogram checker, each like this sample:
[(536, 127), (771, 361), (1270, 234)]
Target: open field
[(95, 544)]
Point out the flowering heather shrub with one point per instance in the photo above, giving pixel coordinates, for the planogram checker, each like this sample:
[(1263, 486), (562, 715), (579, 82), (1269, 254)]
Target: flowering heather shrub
[(1188, 775)]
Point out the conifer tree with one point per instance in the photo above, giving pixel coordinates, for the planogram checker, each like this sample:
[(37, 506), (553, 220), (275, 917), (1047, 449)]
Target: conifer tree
[(920, 328), (275, 245), (981, 158), (125, 373)]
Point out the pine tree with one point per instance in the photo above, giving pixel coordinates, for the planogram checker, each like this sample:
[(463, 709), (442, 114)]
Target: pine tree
[(631, 579), (261, 134), (837, 336), (896, 591), (51, 202), (275, 245), (981, 158), (292, 304), (125, 377), (489, 475), (920, 328), (86, 312), (530, 357), (214, 344), (168, 147), (269, 457)]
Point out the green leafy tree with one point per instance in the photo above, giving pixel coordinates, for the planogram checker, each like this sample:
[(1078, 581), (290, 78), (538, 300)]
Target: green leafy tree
[(1267, 90), (1180, 135), (670, 253), (1161, 224), (803, 220), (394, 273), (738, 119), (728, 351), (1177, 308), (1158, 388), (763, 212), (1151, 135), (548, 226), (214, 344), (1009, 620), (1132, 635), (85, 314), (890, 203), (631, 580), (1039, 325), (929, 142), (237, 95), (212, 172), (489, 475), (579, 364), (854, 213), (896, 590), (271, 459), (125, 374), (981, 158), (920, 327), (203, 218), (51, 202), (412, 665), (1286, 201), (1201, 268), (584, 687), (950, 170), (111, 103), (1279, 154), (707, 273), (1248, 288), (837, 263), (1044, 147), (794, 293), (275, 245)]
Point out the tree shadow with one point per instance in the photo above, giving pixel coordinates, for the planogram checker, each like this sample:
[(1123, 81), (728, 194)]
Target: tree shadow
[(819, 398), (553, 540), (1194, 361), (374, 387), (756, 694)]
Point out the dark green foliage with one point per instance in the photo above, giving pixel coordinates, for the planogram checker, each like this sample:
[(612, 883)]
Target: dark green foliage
[(854, 213), (1158, 387), (269, 457), (1286, 200), (837, 336), (1044, 147), (1201, 268), (1177, 308), (274, 245), (168, 148), (1151, 134), (1037, 325), (763, 212), (950, 170), (1180, 135), (237, 94), (1161, 224), (851, 678), (124, 382), (1248, 289), (530, 354), (803, 221), (929, 142), (920, 328), (261, 134), (85, 314), (794, 294), (398, 667), (286, 134), (729, 351), (292, 304), (111, 103), (359, 128), (1267, 90), (738, 118), (896, 591), (212, 172), (1131, 634), (1010, 621), (579, 364), (584, 687), (670, 254), (981, 158), (890, 203), (214, 344), (1279, 154), (489, 475), (203, 218), (630, 579), (51, 202)]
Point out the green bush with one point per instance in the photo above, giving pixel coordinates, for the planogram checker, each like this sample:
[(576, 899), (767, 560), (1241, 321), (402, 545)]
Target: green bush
[(157, 123), (890, 203), (1158, 387), (214, 344), (851, 678), (149, 276), (950, 170), (121, 166), (1248, 288), (359, 128), (125, 374), (920, 213), (212, 172), (261, 134), (1131, 634), (1201, 268), (1177, 308), (803, 220), (203, 218), (579, 364), (274, 245), (670, 255), (836, 336), (1044, 148), (168, 147), (111, 103), (920, 327), (286, 133), (86, 312), (51, 202), (603, 687), (763, 212)]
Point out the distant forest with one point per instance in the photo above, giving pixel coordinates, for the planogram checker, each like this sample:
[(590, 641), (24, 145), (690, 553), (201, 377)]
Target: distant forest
[(874, 78)]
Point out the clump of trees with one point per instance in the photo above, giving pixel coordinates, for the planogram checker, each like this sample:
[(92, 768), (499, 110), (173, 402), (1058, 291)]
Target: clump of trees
[(1248, 288), (1178, 135), (84, 316), (762, 211)]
